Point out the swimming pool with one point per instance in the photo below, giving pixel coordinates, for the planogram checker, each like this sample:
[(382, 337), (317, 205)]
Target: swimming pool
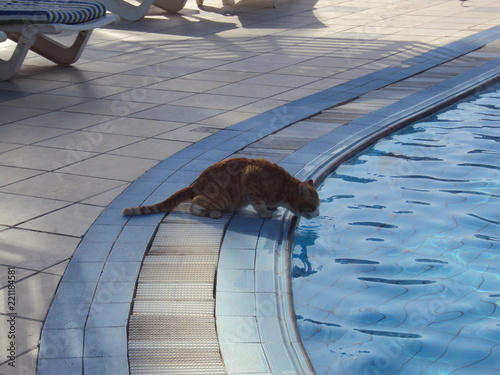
[(400, 273)]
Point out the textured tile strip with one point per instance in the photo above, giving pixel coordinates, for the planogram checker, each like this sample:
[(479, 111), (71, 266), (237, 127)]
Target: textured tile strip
[(172, 325)]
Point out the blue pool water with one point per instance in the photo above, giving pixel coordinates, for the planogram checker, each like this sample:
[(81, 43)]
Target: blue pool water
[(400, 273)]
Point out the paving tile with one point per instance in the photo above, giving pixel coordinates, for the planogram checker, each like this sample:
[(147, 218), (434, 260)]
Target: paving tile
[(58, 222), (89, 141), (225, 305), (149, 95), (236, 280), (216, 100), (40, 250), (61, 343), (115, 292), (27, 361), (42, 158), (136, 234), (116, 167), (109, 107), (126, 252), (105, 342), (67, 316), (231, 329), (26, 134), (155, 149), (120, 271), (239, 240), (106, 365), (102, 233), (241, 358), (135, 127), (11, 174), (44, 101), (18, 209), (65, 120), (83, 90), (60, 186), (108, 315), (76, 294), (81, 272), (237, 259), (177, 113), (62, 366)]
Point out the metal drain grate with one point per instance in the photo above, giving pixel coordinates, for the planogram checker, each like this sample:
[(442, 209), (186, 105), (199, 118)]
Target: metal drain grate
[(172, 325)]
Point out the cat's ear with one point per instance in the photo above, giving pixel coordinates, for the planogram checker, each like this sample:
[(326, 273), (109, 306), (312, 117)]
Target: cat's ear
[(310, 182), (303, 190)]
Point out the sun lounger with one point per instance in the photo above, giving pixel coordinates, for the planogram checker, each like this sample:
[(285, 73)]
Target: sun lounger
[(132, 12), (29, 22)]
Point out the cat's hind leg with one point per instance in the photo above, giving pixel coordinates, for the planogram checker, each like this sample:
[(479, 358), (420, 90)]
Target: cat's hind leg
[(198, 208)]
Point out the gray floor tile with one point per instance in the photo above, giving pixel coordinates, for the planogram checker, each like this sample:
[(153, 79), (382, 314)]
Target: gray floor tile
[(57, 221), (60, 186), (17, 209), (116, 167), (177, 113), (42, 158)]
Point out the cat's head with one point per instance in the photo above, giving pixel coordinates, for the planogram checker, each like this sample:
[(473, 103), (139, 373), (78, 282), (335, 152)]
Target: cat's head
[(307, 203)]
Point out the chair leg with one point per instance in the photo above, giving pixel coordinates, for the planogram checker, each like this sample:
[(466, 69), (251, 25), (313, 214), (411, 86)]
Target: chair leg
[(55, 51), (10, 67), (171, 5)]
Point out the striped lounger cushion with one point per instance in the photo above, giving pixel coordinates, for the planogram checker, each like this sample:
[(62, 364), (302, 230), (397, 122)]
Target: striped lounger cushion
[(49, 11)]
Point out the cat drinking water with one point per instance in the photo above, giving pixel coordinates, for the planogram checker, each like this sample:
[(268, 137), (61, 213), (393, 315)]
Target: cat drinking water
[(230, 184)]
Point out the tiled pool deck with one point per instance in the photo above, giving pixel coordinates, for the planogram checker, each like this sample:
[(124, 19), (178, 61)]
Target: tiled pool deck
[(134, 121)]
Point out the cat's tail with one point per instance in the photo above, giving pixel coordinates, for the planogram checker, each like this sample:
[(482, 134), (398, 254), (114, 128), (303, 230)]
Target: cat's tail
[(167, 205)]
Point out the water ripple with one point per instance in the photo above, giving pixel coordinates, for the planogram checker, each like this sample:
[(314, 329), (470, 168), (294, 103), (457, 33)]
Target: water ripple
[(396, 282), (374, 224), (389, 333)]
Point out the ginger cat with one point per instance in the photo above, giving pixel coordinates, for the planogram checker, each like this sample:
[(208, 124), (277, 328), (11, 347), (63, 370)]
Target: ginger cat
[(233, 183)]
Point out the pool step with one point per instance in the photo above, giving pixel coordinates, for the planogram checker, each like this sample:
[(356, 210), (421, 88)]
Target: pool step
[(172, 325)]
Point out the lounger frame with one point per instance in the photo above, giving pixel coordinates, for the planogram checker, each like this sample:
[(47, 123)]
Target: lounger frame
[(34, 37)]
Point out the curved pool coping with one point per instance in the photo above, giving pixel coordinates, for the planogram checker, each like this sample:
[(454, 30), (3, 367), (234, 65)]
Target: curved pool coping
[(86, 328)]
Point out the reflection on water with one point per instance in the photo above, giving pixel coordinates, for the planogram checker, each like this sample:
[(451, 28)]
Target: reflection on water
[(401, 273)]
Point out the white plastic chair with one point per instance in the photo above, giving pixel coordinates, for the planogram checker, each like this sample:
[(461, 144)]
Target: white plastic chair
[(132, 12)]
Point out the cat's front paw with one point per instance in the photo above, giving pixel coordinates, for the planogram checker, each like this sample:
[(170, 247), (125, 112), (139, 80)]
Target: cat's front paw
[(215, 214)]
